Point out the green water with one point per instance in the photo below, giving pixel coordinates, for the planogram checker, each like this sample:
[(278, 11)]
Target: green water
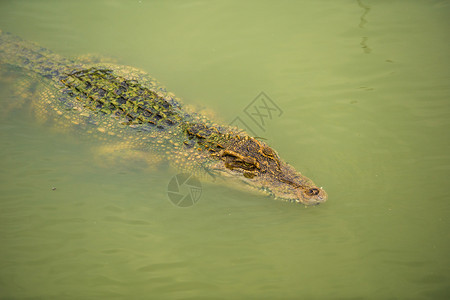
[(364, 87)]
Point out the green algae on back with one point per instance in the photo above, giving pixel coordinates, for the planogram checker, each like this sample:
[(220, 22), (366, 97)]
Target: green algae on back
[(130, 109)]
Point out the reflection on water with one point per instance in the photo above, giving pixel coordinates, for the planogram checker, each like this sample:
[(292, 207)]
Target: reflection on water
[(362, 25)]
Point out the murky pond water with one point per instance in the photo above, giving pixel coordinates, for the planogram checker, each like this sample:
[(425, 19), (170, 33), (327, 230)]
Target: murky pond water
[(363, 94)]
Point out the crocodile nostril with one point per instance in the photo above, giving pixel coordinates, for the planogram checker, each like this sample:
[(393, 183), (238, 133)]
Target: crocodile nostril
[(313, 192)]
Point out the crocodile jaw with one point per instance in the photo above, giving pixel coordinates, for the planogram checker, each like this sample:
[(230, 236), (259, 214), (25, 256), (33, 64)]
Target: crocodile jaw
[(305, 192)]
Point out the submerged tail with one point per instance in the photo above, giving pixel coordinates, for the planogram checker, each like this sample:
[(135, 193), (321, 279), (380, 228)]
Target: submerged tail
[(17, 52)]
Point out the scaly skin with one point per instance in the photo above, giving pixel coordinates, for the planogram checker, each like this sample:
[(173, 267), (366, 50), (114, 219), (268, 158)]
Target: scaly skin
[(125, 106)]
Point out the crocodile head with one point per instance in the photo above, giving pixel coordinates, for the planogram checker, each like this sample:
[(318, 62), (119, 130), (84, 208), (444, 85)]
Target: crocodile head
[(255, 164)]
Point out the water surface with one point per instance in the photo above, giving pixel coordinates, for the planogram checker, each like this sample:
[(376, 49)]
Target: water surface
[(364, 91)]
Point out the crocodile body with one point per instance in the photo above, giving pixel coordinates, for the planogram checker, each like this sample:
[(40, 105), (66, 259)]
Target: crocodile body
[(126, 106)]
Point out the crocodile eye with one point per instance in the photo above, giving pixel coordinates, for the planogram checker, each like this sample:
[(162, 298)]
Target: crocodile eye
[(234, 160), (239, 164), (313, 192)]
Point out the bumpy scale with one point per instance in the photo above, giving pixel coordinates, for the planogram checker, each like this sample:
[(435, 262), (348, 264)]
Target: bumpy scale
[(125, 105)]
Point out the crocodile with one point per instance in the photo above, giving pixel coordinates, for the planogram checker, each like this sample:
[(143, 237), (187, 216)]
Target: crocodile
[(129, 108)]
